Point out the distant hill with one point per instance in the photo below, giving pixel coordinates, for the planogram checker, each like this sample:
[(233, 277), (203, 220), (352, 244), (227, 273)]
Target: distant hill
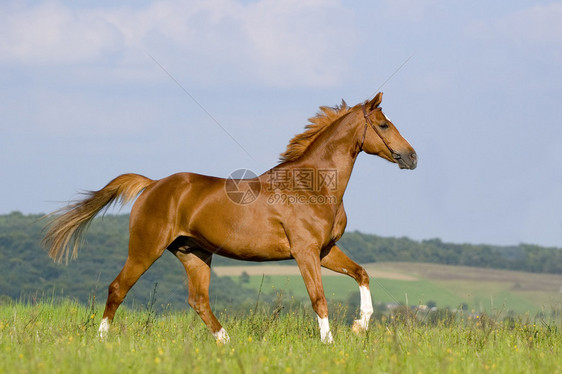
[(366, 248), (26, 270)]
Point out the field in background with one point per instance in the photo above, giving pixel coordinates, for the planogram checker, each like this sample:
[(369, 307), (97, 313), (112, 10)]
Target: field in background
[(480, 289)]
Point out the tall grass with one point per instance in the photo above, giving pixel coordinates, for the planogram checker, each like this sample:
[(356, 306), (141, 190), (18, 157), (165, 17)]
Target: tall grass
[(61, 337)]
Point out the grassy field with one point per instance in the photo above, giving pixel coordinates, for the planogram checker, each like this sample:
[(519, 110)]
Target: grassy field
[(61, 338), (489, 290)]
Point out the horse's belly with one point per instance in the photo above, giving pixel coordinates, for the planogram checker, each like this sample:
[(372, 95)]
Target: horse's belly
[(243, 239)]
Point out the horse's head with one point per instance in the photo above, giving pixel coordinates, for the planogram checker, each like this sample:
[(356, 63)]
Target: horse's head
[(380, 136)]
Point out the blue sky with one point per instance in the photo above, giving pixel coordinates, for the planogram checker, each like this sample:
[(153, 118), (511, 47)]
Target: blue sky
[(82, 101)]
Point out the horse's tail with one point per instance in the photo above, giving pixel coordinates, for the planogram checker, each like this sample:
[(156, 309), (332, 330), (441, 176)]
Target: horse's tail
[(65, 231)]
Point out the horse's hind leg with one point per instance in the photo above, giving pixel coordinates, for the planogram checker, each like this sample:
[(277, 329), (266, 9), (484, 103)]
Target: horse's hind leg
[(138, 261), (197, 265), (338, 261)]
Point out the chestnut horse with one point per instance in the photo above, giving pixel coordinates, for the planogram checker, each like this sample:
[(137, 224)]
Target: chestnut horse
[(293, 211)]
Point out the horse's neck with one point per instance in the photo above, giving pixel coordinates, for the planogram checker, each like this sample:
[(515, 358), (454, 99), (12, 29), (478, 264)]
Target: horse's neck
[(334, 151)]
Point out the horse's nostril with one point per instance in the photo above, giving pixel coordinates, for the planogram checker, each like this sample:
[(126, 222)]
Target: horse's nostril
[(413, 156)]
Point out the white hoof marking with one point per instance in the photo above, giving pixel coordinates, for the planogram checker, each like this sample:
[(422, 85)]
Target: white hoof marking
[(362, 324), (104, 328), (221, 336), (325, 333)]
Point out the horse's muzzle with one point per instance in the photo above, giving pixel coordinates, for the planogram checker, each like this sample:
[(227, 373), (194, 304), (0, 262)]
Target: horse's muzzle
[(408, 160)]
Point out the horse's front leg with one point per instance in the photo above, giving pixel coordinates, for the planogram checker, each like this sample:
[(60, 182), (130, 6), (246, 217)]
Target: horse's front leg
[(338, 261), (309, 266)]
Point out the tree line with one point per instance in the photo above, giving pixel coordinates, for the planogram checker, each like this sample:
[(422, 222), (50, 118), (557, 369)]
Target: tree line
[(26, 271)]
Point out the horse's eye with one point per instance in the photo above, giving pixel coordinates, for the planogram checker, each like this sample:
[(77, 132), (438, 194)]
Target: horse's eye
[(383, 125)]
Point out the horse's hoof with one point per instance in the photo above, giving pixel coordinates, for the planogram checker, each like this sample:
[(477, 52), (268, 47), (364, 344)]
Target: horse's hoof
[(358, 327), (104, 329), (221, 337), (328, 339)]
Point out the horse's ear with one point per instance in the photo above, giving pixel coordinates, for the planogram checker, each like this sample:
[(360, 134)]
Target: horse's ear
[(376, 101)]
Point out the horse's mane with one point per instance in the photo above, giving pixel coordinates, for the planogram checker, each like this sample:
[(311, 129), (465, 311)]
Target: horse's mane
[(317, 125)]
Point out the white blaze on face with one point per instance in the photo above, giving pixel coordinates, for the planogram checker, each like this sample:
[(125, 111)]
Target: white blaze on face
[(221, 336), (388, 120), (104, 328), (386, 117), (325, 333)]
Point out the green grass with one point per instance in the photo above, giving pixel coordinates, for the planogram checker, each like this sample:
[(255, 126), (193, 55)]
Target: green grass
[(491, 297), (61, 338)]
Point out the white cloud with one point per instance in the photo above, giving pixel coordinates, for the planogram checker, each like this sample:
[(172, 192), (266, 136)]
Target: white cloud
[(539, 26), (410, 10), (300, 40), (290, 42), (51, 33)]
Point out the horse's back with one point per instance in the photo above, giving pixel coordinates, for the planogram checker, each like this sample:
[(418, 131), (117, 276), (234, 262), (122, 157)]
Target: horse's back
[(198, 206)]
